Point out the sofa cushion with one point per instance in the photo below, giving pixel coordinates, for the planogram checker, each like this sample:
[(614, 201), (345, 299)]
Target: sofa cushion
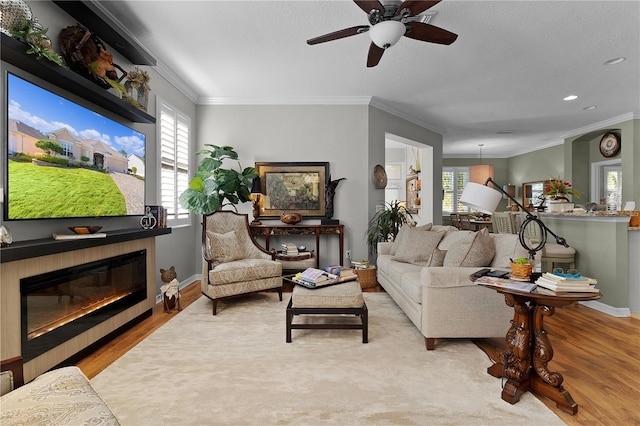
[(475, 250), (454, 237), (417, 246), (224, 247), (437, 257), (404, 230), (507, 247)]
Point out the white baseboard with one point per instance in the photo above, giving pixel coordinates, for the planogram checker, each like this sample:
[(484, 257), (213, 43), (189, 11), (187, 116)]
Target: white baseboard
[(182, 285), (609, 310)]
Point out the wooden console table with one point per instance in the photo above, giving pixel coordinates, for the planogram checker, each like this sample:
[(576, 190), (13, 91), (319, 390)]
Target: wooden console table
[(524, 364), (267, 231)]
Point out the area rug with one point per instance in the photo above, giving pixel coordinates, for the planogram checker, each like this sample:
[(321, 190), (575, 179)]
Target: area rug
[(236, 369)]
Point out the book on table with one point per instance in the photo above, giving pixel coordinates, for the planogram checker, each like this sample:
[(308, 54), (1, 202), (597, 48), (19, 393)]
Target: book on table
[(505, 283), (339, 271), (563, 284), (314, 276)]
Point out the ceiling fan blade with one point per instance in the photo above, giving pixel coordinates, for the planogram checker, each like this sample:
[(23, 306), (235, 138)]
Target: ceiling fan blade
[(430, 33), (375, 54), (417, 6), (369, 5), (339, 34)]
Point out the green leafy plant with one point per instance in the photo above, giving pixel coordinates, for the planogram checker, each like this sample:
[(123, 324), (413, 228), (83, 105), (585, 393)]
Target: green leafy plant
[(521, 261), (385, 224), (213, 186), (38, 41)]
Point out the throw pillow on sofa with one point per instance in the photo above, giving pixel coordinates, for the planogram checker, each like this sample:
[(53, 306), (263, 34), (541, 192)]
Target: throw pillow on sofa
[(417, 246), (437, 257), (477, 249), (402, 232)]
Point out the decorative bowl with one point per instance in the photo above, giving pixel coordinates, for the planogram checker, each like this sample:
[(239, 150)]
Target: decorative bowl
[(85, 229), (291, 218)]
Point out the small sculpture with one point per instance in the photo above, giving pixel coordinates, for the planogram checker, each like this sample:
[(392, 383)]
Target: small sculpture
[(171, 290), (329, 194)]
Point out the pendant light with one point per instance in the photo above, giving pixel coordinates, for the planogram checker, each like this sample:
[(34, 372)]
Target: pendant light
[(480, 172)]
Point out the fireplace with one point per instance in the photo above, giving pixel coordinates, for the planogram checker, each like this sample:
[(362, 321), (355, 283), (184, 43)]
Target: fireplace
[(59, 305)]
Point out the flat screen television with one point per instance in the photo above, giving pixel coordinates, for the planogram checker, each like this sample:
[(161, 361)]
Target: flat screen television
[(65, 160)]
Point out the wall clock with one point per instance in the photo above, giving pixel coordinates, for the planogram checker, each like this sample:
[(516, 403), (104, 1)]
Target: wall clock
[(610, 145)]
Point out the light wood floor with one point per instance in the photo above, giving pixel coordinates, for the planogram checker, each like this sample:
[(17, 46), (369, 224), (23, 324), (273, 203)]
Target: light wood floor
[(598, 355)]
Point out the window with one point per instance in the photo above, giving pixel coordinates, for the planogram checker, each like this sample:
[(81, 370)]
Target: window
[(67, 149), (454, 180), (612, 186), (174, 132)]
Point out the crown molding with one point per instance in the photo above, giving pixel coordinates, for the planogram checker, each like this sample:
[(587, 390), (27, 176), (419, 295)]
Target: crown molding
[(277, 100), (381, 105), (173, 79), (601, 125)]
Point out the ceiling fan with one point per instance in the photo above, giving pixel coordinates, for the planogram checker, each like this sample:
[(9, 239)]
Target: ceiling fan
[(389, 22)]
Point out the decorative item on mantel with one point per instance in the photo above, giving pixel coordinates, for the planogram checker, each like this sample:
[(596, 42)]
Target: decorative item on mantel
[(138, 80), (328, 196), (558, 191), (290, 218)]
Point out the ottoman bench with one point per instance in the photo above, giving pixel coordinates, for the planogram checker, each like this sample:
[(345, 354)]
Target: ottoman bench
[(339, 299)]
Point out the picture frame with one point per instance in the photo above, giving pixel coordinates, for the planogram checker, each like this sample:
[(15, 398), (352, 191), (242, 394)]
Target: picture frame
[(293, 187)]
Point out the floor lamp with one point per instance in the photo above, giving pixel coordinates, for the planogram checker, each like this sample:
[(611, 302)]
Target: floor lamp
[(484, 199)]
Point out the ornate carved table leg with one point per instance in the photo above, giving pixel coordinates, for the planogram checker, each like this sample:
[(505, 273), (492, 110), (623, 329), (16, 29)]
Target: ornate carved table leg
[(517, 360), (544, 381)]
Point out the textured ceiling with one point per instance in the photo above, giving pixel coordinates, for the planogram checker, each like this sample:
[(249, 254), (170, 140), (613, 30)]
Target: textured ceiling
[(508, 71)]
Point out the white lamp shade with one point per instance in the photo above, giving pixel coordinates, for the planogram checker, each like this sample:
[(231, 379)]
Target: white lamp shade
[(387, 33), (480, 173), (480, 197)]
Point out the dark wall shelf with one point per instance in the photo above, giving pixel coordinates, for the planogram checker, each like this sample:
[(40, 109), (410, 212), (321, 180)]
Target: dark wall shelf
[(88, 13), (47, 246), (14, 52)]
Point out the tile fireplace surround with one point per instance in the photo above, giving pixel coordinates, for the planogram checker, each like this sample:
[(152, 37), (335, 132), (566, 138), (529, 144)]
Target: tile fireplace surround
[(31, 258)]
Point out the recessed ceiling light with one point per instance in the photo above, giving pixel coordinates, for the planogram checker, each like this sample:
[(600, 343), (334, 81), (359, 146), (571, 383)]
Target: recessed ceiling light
[(571, 98), (589, 108), (615, 60)]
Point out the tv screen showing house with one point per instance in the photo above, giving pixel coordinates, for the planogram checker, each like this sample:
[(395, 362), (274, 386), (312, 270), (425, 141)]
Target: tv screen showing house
[(65, 160)]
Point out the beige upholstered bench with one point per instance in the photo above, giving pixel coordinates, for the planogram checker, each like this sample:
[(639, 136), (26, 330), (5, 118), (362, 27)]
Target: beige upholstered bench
[(339, 299)]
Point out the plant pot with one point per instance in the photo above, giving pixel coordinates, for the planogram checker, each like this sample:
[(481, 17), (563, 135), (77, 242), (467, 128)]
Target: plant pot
[(560, 206)]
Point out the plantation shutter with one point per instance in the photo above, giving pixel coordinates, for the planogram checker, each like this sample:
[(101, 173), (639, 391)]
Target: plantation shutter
[(454, 180), (174, 162)]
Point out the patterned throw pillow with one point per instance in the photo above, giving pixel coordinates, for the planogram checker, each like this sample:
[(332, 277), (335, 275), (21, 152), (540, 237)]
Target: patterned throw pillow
[(224, 247), (476, 250), (417, 246)]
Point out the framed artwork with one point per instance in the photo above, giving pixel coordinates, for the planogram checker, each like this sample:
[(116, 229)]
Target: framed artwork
[(293, 187)]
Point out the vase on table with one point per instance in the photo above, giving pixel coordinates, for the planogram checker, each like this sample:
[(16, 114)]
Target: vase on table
[(560, 204)]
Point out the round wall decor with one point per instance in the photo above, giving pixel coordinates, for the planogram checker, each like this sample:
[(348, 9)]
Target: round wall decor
[(610, 144), (379, 177)]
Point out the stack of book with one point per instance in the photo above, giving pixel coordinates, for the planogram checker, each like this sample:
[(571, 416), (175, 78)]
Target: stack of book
[(289, 249), (312, 277), (359, 264), (567, 284), (340, 272), (505, 283)]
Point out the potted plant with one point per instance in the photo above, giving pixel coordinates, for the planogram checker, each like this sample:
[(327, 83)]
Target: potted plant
[(385, 224), (213, 186)]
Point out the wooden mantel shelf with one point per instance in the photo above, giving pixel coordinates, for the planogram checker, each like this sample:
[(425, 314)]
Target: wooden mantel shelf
[(35, 248)]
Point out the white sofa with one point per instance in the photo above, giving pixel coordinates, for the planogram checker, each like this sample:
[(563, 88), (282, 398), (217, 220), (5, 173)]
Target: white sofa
[(442, 301)]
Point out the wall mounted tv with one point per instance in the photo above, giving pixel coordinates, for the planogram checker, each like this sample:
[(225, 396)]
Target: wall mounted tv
[(64, 160)]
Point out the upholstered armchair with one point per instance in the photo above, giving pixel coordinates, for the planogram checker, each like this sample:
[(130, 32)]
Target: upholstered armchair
[(233, 263)]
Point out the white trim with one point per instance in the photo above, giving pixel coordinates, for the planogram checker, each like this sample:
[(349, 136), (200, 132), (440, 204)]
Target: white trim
[(614, 121), (609, 310), (162, 69), (311, 100)]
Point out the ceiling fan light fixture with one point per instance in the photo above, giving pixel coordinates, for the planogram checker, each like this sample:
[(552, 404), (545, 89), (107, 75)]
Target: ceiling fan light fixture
[(386, 33)]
